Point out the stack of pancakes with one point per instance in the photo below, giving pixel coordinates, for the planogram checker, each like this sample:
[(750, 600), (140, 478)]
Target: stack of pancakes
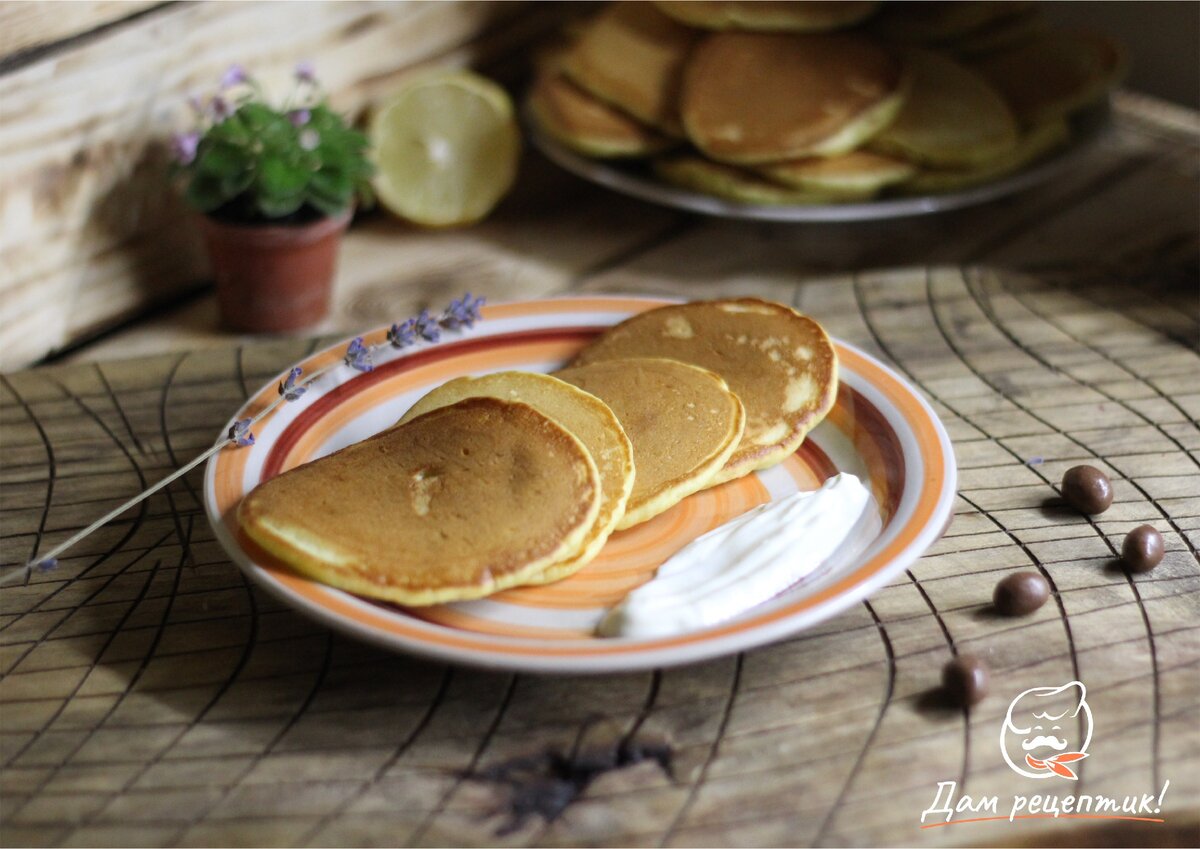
[(821, 102), (519, 478)]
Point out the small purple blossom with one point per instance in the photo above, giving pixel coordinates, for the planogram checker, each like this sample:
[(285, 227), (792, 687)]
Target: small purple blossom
[(309, 139), (240, 433), (1034, 461), (234, 75), (358, 355), (183, 147), (288, 388), (404, 334), (426, 326), (46, 564), (306, 72), (462, 312), (299, 117)]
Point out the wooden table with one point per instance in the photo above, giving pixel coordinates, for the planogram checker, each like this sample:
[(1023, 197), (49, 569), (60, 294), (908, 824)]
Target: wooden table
[(152, 696)]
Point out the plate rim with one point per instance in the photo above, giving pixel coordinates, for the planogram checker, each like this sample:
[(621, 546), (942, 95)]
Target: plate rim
[(638, 655), (1087, 127)]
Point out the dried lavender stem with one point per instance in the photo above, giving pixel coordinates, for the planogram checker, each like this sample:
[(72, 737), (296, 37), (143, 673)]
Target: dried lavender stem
[(108, 517), (461, 313)]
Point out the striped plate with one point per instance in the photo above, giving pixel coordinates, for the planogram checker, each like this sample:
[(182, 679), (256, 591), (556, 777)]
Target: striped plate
[(880, 430)]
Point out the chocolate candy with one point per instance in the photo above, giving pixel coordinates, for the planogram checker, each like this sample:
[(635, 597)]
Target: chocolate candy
[(1142, 549), (1087, 489), (965, 679), (1021, 593)]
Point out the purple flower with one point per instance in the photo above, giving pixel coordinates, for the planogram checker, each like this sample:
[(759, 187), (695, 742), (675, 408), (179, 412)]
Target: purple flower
[(234, 75), (183, 147), (288, 388), (358, 355), (404, 334), (463, 312), (239, 432), (306, 72), (299, 117), (46, 564), (426, 326), (309, 139)]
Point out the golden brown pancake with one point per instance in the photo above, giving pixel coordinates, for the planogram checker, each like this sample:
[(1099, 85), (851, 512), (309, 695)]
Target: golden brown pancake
[(858, 174), (631, 56), (455, 504), (732, 183), (1053, 76), (938, 22), (953, 118), (581, 413), (750, 98), (587, 125), (1008, 32), (683, 422), (778, 362), (1034, 144), (769, 15)]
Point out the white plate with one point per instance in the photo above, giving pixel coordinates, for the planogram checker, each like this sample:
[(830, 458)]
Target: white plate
[(880, 429)]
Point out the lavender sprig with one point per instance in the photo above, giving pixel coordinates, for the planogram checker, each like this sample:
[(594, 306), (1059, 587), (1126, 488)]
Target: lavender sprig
[(461, 314)]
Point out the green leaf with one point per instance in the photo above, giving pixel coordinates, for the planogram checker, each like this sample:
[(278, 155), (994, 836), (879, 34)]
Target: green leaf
[(279, 178), (279, 207), (222, 160), (204, 193), (332, 185), (325, 206)]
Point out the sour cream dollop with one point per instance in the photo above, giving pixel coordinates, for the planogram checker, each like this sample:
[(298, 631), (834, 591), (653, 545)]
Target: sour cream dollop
[(749, 560)]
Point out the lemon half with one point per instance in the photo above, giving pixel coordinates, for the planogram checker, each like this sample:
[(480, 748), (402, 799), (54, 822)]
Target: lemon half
[(446, 148)]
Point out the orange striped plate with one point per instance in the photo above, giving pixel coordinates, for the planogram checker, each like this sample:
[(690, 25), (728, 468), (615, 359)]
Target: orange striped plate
[(880, 429)]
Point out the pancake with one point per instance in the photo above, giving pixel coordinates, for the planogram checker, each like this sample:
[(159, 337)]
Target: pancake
[(1055, 75), (587, 125), (858, 174), (631, 56), (751, 98), (584, 415), (732, 183), (1008, 32), (953, 118), (769, 15), (938, 22), (778, 362), (1034, 144), (683, 422), (455, 504)]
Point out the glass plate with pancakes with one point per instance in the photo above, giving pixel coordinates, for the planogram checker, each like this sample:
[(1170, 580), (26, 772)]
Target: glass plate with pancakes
[(879, 429), (637, 179)]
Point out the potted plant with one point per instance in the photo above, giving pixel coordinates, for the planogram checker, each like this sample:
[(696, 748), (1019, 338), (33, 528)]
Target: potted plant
[(276, 186)]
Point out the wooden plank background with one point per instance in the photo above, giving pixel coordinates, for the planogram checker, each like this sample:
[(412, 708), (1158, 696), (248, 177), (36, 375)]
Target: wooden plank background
[(151, 696), (89, 92)]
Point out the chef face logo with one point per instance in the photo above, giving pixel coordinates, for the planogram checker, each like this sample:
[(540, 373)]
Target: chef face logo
[(1046, 730)]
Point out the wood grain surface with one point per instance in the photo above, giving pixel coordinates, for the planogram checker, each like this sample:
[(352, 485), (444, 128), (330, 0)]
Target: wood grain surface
[(152, 696)]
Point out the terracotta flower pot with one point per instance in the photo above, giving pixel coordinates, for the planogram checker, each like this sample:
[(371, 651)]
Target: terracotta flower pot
[(273, 278)]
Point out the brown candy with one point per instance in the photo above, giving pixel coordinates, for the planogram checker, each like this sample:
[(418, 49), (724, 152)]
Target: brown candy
[(1142, 549), (965, 679), (1021, 593), (1087, 489)]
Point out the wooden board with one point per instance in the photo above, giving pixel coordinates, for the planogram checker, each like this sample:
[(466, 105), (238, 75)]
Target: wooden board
[(150, 696)]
